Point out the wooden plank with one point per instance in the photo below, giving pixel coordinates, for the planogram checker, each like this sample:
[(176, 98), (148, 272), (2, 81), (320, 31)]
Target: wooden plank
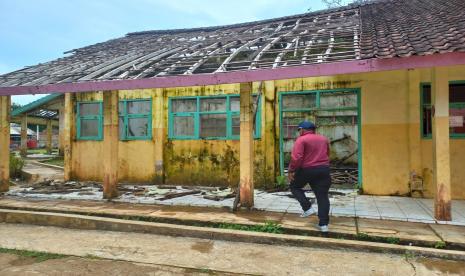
[(23, 147), (110, 144), (5, 103), (441, 147), (68, 126), (246, 146)]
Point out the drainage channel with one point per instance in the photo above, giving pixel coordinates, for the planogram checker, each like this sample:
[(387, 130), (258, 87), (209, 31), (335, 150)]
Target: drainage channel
[(266, 227)]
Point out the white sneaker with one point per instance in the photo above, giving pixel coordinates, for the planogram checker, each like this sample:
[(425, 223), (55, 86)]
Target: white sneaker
[(308, 213), (324, 228)]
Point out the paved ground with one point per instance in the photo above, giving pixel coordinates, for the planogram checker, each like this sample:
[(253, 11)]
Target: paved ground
[(429, 234), (204, 254), (344, 202)]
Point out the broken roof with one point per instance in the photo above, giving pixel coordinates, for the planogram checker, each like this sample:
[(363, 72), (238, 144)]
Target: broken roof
[(382, 29)]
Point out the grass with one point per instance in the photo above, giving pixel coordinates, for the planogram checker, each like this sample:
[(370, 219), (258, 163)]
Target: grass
[(36, 151), (267, 227), (365, 237), (36, 255), (57, 161), (440, 245)]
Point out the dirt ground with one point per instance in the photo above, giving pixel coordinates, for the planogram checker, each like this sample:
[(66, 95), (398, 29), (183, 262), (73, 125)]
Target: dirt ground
[(125, 254), (13, 265)]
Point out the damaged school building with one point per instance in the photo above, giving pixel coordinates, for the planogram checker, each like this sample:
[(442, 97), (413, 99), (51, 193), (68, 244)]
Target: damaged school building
[(218, 106)]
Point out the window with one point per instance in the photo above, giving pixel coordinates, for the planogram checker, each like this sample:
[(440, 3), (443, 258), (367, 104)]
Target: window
[(89, 121), (135, 119), (456, 110), (215, 117)]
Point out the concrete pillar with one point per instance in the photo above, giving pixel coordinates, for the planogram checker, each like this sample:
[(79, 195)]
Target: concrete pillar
[(246, 146), (23, 147), (5, 105), (268, 103), (61, 120), (441, 148), (68, 131), (159, 134), (48, 145), (110, 144), (414, 129)]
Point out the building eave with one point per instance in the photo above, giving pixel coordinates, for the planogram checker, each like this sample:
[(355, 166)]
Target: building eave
[(311, 70)]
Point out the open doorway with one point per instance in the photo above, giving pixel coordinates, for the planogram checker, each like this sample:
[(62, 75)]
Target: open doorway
[(337, 116)]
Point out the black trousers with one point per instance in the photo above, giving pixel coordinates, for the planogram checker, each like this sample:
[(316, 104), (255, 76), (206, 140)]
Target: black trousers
[(319, 179)]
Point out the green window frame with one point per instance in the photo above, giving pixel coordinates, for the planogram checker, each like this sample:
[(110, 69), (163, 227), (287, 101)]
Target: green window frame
[(196, 115), (426, 113), (89, 117), (125, 117)]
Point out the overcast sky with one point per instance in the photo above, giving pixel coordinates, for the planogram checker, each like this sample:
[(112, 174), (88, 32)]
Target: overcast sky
[(34, 31)]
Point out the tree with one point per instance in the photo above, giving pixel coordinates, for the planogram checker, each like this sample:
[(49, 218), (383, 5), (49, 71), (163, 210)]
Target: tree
[(15, 106)]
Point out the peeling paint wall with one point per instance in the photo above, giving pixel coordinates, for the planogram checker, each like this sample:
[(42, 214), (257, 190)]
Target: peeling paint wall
[(387, 130)]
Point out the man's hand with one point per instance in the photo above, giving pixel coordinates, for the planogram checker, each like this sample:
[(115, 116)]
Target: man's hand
[(290, 176)]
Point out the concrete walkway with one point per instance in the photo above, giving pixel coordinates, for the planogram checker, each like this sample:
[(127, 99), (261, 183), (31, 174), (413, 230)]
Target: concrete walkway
[(405, 232), (344, 203), (217, 256)]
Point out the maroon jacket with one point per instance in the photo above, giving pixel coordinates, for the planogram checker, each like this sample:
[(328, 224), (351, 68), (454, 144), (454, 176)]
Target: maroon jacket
[(310, 150)]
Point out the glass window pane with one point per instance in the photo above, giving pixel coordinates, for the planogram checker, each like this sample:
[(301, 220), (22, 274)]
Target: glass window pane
[(86, 109), (427, 94), (212, 125), (299, 101), (236, 125), (184, 105), (457, 93), (138, 127), (338, 100), (427, 121), (138, 107), (235, 103), (213, 104), (183, 126), (121, 108), (89, 128), (457, 119), (121, 127)]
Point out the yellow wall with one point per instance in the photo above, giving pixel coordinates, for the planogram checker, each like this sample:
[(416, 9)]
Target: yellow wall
[(391, 144)]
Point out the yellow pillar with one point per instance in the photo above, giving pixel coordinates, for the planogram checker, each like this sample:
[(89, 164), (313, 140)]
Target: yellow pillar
[(413, 109), (268, 102), (110, 144), (246, 146), (49, 136), (441, 149), (159, 134), (23, 147), (68, 134), (5, 105), (61, 136)]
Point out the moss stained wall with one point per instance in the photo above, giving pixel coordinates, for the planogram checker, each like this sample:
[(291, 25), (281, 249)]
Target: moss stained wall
[(388, 125)]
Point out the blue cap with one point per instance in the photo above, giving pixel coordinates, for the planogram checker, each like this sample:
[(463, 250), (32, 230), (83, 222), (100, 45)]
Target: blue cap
[(307, 125)]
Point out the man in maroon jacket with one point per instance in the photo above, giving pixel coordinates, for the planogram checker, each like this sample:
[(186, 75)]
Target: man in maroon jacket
[(310, 164)]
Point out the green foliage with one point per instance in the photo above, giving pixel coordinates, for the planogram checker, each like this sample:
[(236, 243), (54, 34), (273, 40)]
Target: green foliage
[(16, 165), (15, 106), (393, 240), (440, 245), (267, 227), (281, 182), (38, 256)]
